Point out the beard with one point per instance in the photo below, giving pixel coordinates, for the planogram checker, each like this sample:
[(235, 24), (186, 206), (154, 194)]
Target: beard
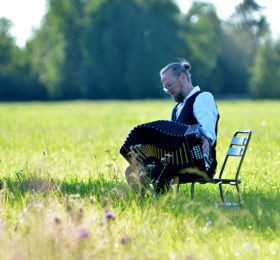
[(179, 97)]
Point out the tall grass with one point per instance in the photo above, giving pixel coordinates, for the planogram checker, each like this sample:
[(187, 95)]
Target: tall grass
[(64, 195)]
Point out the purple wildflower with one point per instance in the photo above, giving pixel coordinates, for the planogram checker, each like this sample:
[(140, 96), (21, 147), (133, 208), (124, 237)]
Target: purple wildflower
[(125, 239), (208, 223), (249, 245), (57, 220), (109, 215), (82, 233)]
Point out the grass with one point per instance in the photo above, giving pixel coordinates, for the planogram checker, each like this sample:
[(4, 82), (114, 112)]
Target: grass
[(64, 195)]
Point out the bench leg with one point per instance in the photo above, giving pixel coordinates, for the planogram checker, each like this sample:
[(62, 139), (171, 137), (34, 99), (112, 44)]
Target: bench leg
[(176, 181), (221, 192), (238, 193), (192, 190)]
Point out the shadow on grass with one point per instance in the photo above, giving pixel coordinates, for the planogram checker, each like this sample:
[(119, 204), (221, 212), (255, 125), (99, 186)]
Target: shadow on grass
[(104, 190), (260, 211), (74, 185)]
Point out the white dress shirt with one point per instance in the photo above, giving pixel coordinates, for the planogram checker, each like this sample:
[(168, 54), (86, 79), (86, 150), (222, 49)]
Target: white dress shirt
[(204, 110)]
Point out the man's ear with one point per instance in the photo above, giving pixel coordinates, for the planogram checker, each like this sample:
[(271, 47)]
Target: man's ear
[(183, 76)]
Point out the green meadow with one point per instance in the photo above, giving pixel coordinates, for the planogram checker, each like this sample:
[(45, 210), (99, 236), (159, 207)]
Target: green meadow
[(64, 195)]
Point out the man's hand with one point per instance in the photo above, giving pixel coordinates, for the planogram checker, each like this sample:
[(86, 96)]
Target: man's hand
[(205, 145)]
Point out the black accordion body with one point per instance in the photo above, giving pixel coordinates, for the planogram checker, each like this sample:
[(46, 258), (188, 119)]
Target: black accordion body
[(176, 144)]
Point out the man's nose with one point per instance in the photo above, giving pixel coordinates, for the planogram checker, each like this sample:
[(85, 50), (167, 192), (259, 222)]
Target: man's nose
[(169, 90)]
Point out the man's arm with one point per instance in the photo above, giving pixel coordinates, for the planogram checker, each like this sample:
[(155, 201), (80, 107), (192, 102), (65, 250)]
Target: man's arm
[(206, 113)]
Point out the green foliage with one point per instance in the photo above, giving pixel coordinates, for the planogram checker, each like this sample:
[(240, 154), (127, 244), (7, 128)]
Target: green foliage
[(202, 35), (265, 72), (101, 49), (243, 33), (125, 46), (16, 79)]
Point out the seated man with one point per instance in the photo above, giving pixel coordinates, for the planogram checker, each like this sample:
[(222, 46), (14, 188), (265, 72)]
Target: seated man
[(193, 107)]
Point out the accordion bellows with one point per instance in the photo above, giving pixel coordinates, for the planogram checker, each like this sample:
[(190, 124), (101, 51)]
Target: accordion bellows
[(176, 144)]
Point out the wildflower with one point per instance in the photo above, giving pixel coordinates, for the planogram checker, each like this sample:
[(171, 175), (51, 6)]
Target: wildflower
[(208, 223), (249, 245), (79, 215), (109, 215), (44, 153), (82, 233), (101, 223), (91, 200), (125, 239), (57, 220), (107, 150), (16, 227)]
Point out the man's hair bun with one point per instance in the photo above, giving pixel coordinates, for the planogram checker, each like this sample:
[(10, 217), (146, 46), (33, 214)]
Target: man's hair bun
[(187, 66)]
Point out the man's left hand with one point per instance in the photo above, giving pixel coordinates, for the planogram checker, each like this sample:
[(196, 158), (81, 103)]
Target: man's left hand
[(205, 145)]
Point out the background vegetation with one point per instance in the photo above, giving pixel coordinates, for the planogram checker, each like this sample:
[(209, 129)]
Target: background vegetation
[(111, 49), (64, 195)]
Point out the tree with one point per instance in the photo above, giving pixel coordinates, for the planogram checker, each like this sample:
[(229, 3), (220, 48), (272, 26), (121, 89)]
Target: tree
[(265, 76), (243, 33), (16, 80), (127, 43), (57, 49), (201, 32), (7, 46)]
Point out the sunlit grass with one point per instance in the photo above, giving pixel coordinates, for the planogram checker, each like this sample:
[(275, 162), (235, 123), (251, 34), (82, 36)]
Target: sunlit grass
[(61, 170)]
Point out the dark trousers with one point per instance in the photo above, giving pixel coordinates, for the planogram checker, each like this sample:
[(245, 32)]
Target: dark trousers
[(161, 177)]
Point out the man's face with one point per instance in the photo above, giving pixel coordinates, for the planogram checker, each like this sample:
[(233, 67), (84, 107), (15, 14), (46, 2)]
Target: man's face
[(173, 86)]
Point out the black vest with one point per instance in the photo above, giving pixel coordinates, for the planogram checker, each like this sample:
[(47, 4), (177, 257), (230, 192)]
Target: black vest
[(187, 117)]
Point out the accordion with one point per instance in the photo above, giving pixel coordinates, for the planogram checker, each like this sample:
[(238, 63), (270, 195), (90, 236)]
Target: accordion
[(175, 144)]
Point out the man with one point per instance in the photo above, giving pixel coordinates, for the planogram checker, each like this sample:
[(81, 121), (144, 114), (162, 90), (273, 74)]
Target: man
[(193, 107)]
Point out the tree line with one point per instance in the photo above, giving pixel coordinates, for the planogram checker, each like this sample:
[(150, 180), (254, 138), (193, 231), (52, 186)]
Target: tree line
[(114, 49)]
